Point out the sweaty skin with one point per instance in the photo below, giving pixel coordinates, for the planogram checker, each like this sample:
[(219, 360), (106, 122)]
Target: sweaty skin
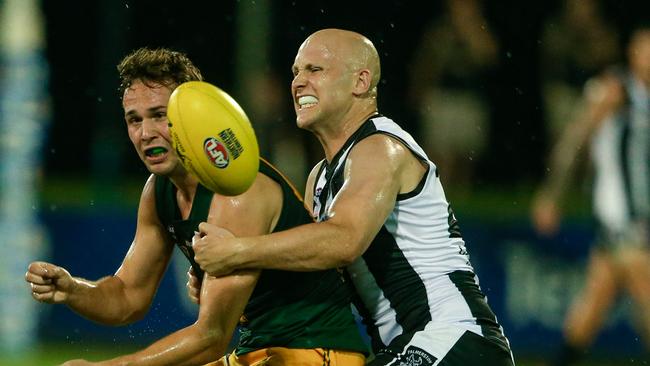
[(127, 295), (375, 178), (334, 91)]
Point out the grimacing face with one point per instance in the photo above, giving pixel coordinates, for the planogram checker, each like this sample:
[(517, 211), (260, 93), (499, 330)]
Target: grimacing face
[(145, 113), (322, 83)]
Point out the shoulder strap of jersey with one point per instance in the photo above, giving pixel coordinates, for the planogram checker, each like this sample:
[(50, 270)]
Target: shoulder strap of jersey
[(164, 205), (201, 203), (272, 172)]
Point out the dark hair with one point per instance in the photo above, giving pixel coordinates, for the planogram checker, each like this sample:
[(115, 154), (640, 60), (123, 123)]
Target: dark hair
[(161, 65)]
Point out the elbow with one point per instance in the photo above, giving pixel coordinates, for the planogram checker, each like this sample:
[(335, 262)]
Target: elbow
[(123, 304), (123, 319), (340, 245), (215, 340), (352, 248), (347, 257), (135, 316), (127, 316)]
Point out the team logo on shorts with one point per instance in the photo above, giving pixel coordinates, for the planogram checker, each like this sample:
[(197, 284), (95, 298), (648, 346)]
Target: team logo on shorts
[(216, 152), (415, 356)]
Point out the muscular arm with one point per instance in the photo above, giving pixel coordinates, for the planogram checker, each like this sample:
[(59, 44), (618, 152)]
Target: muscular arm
[(361, 207), (222, 303), (119, 299), (222, 299)]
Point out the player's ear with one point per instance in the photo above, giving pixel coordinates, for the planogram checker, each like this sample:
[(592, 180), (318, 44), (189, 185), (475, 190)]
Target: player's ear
[(362, 82)]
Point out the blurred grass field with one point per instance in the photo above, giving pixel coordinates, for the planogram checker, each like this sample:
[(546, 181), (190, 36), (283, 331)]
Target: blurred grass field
[(55, 354)]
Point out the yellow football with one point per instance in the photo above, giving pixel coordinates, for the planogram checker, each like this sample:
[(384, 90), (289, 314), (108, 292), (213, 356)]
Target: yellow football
[(213, 137)]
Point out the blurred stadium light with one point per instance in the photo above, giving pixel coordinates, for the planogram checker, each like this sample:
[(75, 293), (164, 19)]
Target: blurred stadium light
[(23, 119)]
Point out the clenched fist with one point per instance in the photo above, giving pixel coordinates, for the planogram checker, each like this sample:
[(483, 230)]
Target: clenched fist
[(49, 283)]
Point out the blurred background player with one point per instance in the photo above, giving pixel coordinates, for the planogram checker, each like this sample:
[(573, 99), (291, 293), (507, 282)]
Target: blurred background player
[(297, 318), (452, 86), (577, 43), (615, 121)]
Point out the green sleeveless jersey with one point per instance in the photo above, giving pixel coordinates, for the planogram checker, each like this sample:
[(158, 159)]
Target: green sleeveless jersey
[(286, 309)]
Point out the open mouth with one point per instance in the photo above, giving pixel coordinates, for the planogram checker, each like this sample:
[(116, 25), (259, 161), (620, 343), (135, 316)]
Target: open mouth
[(307, 101), (155, 151)]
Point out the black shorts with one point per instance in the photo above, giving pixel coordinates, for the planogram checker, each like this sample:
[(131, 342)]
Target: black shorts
[(470, 349)]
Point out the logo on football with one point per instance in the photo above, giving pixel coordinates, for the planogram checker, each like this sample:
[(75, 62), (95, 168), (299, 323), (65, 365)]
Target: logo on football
[(216, 152)]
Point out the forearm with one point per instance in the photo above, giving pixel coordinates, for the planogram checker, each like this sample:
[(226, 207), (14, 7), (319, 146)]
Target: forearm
[(189, 346), (561, 164), (564, 159), (104, 301), (309, 247), (603, 97)]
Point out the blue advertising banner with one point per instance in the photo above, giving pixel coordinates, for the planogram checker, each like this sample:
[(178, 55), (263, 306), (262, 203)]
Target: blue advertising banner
[(530, 282)]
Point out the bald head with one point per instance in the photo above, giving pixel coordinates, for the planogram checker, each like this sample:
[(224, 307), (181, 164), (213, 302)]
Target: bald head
[(352, 49)]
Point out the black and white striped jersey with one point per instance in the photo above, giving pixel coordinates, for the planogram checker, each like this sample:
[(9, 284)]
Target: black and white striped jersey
[(416, 272), (621, 156)]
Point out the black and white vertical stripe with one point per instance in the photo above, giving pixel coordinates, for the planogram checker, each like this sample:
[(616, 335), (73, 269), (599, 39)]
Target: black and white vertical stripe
[(621, 156), (409, 279)]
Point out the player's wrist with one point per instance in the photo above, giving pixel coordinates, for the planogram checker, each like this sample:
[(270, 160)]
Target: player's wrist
[(245, 255), (76, 291), (70, 294)]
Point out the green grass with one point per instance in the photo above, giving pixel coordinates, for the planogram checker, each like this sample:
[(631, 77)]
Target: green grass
[(485, 201), (55, 354), (84, 193)]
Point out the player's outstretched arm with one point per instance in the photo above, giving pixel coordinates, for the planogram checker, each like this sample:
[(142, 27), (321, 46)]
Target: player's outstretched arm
[(118, 299), (94, 300), (222, 299), (222, 303)]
